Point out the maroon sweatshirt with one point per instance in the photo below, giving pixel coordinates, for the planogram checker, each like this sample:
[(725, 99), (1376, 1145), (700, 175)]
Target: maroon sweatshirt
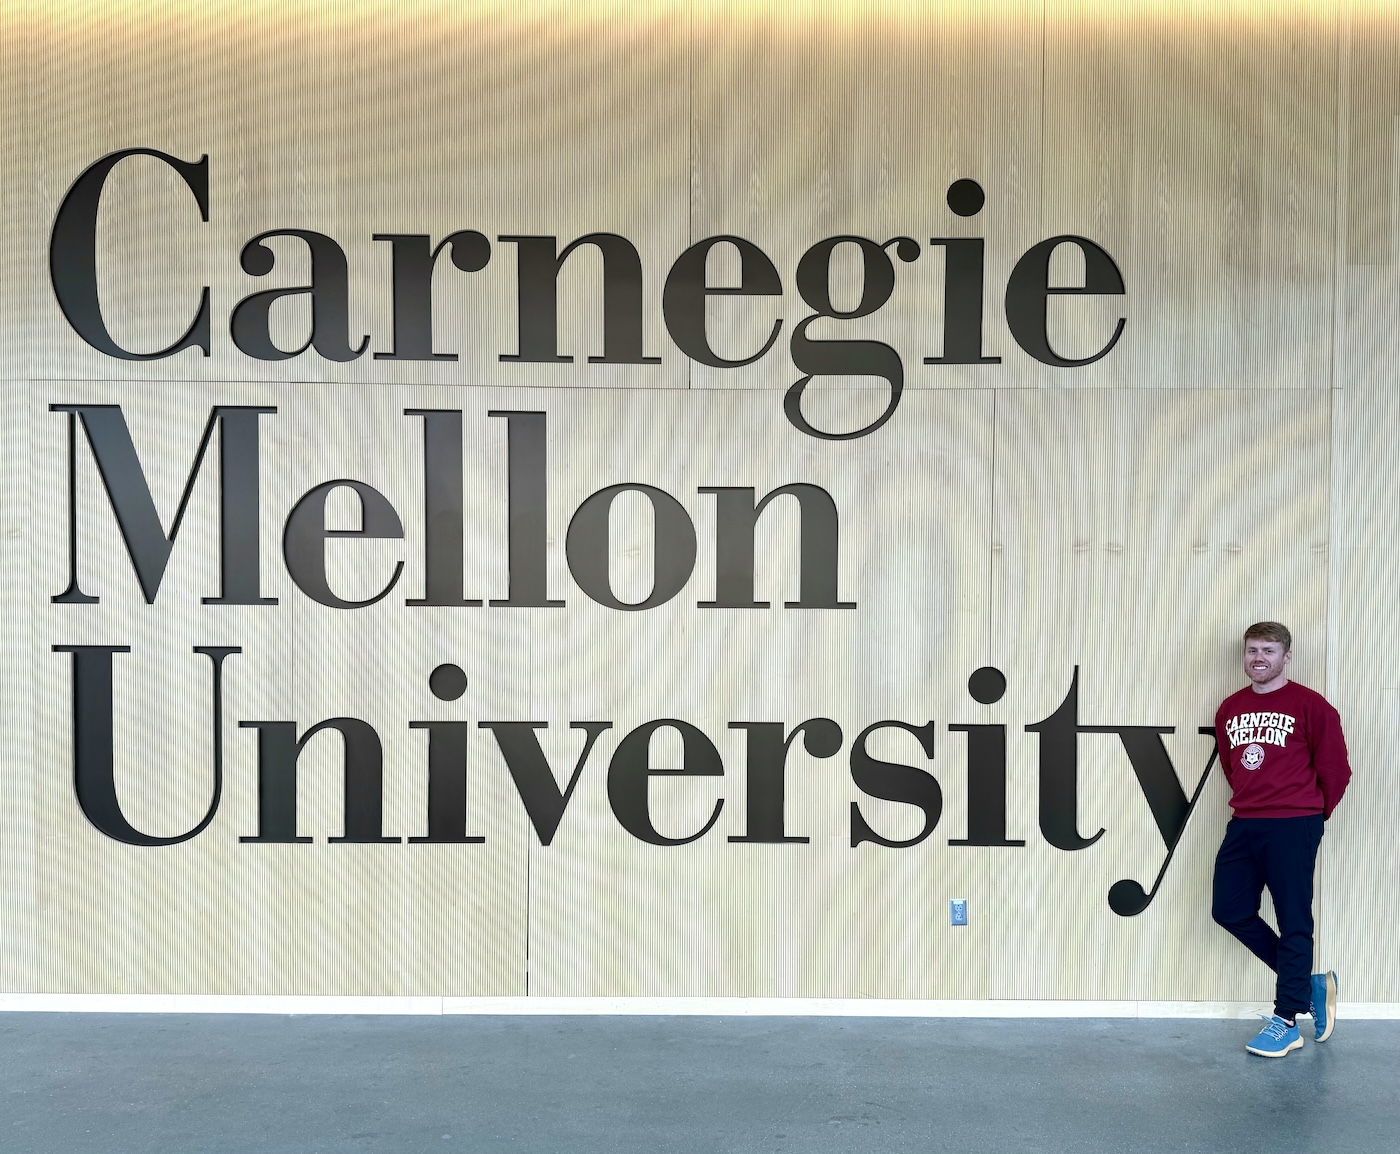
[(1283, 752)]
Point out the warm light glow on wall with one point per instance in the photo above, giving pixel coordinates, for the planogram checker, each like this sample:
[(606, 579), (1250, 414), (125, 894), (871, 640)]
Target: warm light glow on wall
[(783, 11)]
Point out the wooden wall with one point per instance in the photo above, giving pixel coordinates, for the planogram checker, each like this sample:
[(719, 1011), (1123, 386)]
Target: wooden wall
[(1232, 459)]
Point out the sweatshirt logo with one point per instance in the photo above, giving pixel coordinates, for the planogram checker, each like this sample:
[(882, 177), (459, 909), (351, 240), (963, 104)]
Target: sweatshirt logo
[(1259, 729), (1253, 757)]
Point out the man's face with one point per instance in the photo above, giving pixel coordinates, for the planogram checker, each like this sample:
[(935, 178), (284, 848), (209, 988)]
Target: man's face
[(1264, 661)]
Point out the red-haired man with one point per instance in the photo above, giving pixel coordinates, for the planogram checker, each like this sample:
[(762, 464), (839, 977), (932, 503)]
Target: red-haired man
[(1282, 750)]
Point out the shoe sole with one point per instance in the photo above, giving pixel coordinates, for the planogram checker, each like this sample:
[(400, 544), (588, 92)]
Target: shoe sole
[(1331, 1007), (1288, 1049)]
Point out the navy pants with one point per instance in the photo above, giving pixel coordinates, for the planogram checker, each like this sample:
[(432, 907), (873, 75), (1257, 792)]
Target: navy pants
[(1278, 852)]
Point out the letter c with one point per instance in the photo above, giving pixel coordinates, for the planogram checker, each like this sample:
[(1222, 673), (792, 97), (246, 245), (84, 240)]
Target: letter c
[(73, 255)]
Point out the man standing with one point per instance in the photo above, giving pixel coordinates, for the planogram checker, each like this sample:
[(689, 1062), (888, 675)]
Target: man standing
[(1283, 753)]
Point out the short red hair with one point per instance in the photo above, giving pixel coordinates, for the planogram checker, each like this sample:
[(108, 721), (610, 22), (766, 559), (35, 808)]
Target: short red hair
[(1270, 631)]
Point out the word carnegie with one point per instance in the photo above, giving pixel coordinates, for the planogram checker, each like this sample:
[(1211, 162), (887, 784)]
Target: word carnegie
[(631, 768), (539, 259)]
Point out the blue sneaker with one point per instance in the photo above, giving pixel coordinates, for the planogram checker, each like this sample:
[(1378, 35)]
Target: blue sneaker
[(1324, 1004), (1275, 1040)]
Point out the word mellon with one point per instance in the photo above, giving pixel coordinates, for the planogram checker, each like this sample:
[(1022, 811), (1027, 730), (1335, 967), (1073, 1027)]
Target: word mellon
[(586, 545)]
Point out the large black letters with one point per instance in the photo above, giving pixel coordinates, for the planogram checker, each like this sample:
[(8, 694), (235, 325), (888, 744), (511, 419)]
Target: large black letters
[(630, 770), (986, 766), (414, 258), (529, 509), (442, 508), (330, 301), (147, 544), (278, 752), (736, 523), (1059, 773), (538, 288), (544, 801), (73, 255), (1028, 289), (673, 547), (304, 540), (447, 783), (1169, 805), (683, 299), (767, 772), (962, 302), (94, 755), (414, 261), (893, 781), (828, 358)]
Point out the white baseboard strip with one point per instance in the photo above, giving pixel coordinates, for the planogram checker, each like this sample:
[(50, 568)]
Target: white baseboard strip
[(711, 1007)]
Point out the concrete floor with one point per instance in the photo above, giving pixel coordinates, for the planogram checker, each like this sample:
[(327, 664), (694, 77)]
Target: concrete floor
[(128, 1084)]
